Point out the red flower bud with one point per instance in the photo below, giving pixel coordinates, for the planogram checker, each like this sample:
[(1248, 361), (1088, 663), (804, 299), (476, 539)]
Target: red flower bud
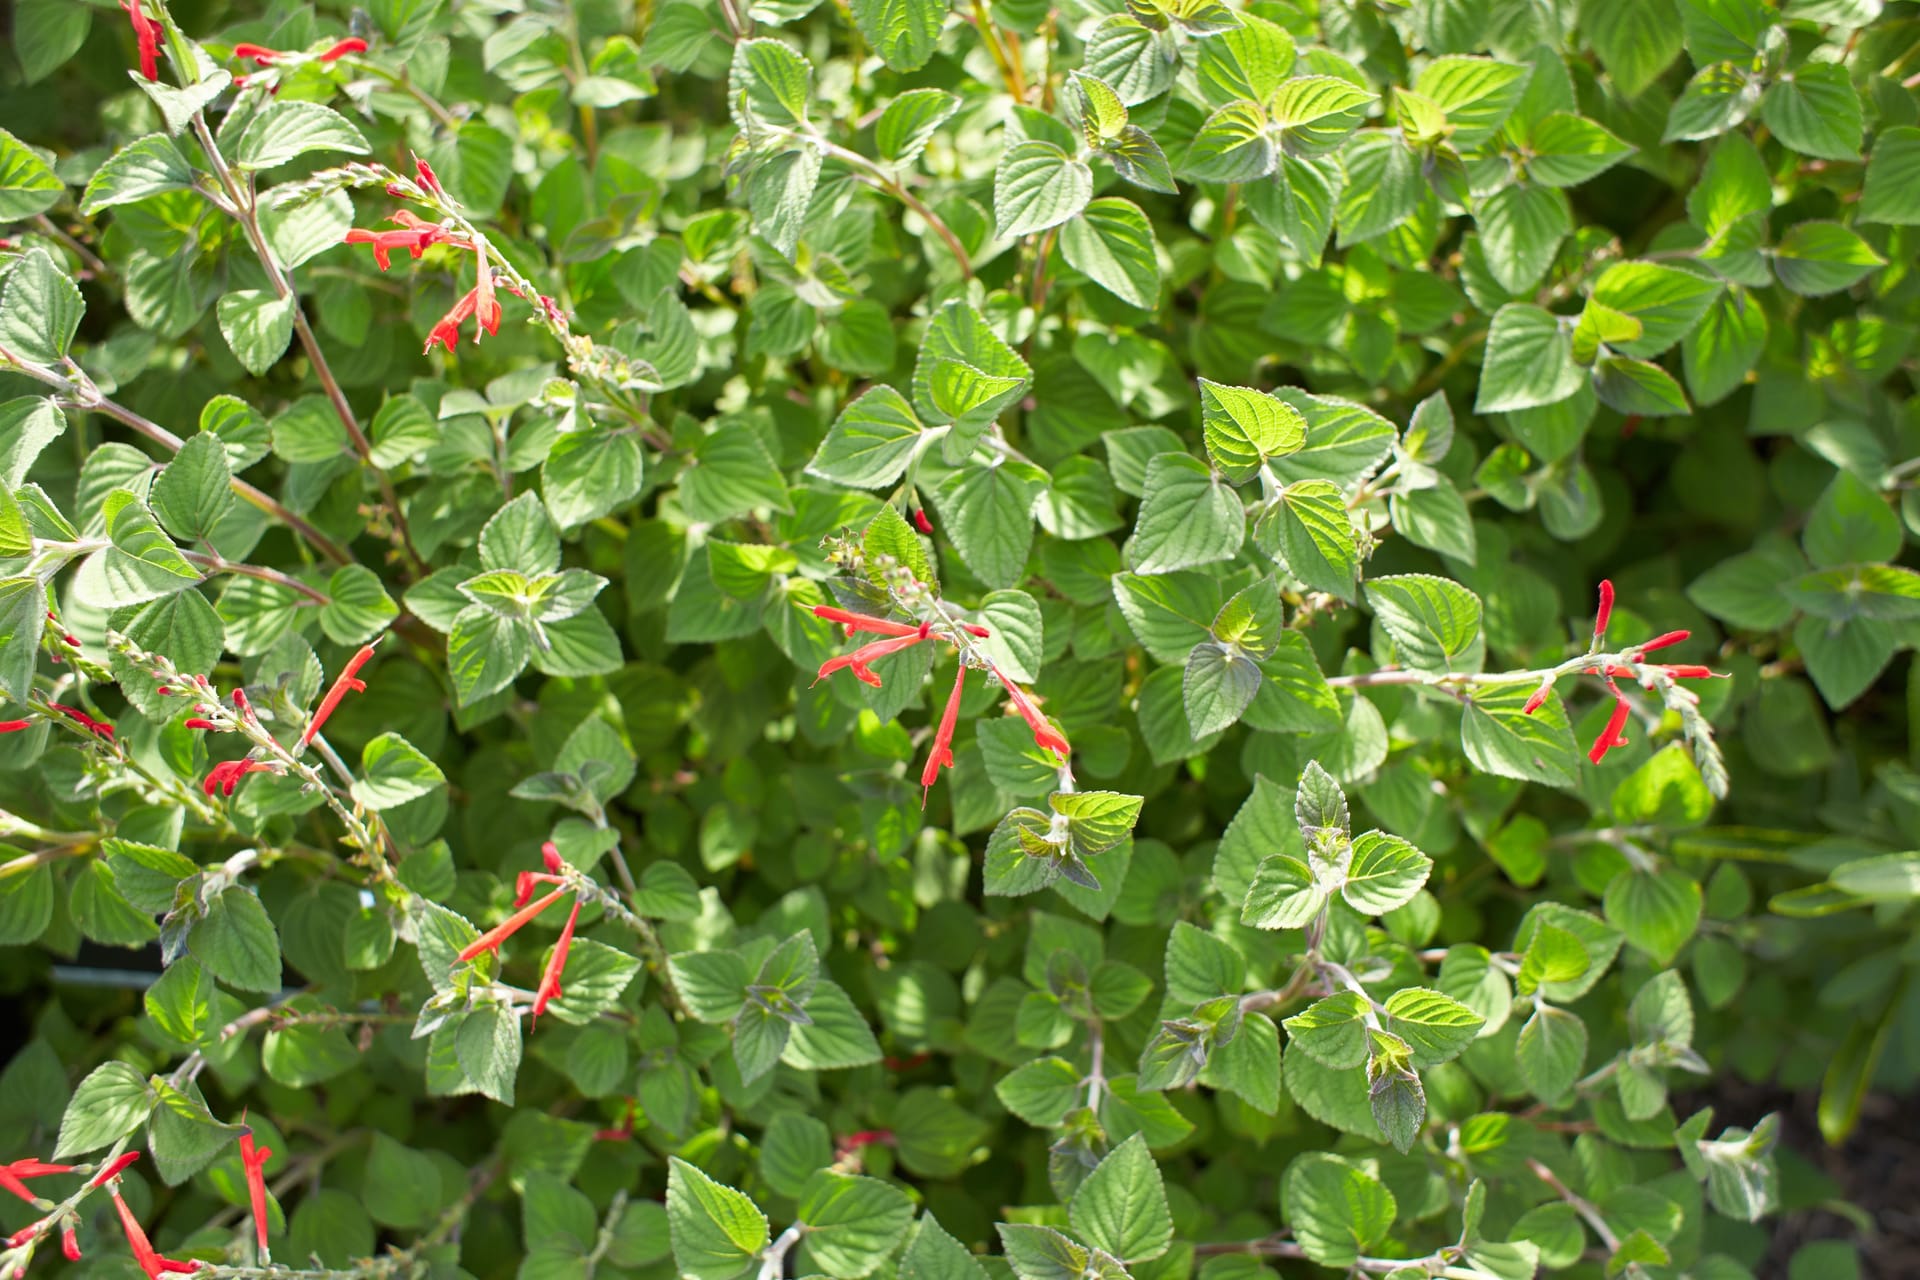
[(14, 726), (114, 1169), (1605, 613), (922, 522), (197, 723), (550, 856), (427, 176), (70, 1244), (1538, 700), (1663, 640), (340, 49), (258, 54)]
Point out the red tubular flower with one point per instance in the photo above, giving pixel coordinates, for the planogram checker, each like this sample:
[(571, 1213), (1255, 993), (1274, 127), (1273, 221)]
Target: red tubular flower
[(114, 1169), (197, 723), (14, 726), (556, 965), (942, 753), (98, 727), (922, 522), (492, 938), (862, 622), (484, 311), (867, 653), (1662, 641), (253, 1161), (551, 859), (1044, 734), (340, 49), (146, 34), (13, 1176), (1605, 613), (524, 883), (1538, 700), (428, 178), (144, 1253), (25, 1234), (226, 775), (70, 1244), (1611, 736), (258, 54), (1685, 671), (343, 684)]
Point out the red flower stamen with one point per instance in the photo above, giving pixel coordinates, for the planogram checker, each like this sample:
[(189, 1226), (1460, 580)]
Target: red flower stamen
[(1605, 613), (14, 726), (226, 775), (1663, 641), (942, 753), (1612, 735), (1044, 734), (858, 660), (557, 965), (114, 1169), (340, 49), (146, 34), (150, 1259), (343, 684), (253, 1161), (492, 938)]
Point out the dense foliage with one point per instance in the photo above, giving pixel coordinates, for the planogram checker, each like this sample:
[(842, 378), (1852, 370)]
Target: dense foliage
[(743, 637)]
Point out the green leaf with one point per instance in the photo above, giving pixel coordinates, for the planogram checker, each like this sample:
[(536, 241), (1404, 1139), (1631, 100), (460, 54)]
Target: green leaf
[(870, 443), (1384, 874), (1656, 911), (1188, 517), (1283, 895), (1816, 258), (144, 167), (1315, 537), (488, 1048), (769, 85), (909, 122), (237, 942), (27, 426), (1550, 1052), (1724, 347), (23, 617), (1667, 302), (40, 309), (394, 771), (1569, 150), (731, 474), (257, 326), (1235, 144), (109, 1104), (27, 185), (1476, 93), (1041, 1253), (904, 32), (1522, 227), (853, 1224), (1891, 195), (1337, 1210), (1637, 387), (1244, 427), (988, 514), (1815, 111), (1036, 186), (1529, 361), (1435, 1026), (402, 1186), (1333, 1030), (1315, 113), (1382, 187), (195, 491), (1434, 623), (46, 33), (285, 129), (182, 1135), (1636, 40), (1121, 1208), (1220, 680), (717, 1232), (1112, 243), (1502, 738)]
